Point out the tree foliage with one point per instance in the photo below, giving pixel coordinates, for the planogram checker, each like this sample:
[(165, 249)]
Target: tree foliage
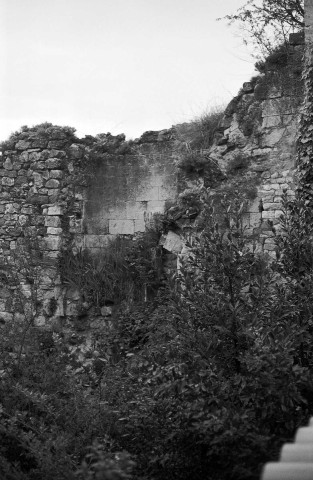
[(268, 23)]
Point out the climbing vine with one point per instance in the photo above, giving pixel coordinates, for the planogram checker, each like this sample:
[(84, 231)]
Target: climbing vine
[(305, 140)]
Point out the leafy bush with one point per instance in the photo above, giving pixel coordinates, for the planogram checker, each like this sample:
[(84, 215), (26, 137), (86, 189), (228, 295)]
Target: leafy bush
[(124, 270), (206, 380), (223, 375), (199, 134), (237, 164)]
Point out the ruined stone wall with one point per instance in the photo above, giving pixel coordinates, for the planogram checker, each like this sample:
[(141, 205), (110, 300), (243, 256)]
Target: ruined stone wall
[(35, 202), (261, 125), (125, 191), (52, 192), (49, 191)]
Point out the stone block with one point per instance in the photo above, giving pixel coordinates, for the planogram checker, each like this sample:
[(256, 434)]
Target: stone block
[(57, 144), (273, 137), (39, 143), (259, 152), (56, 174), (172, 242), (53, 163), (135, 210), (52, 221), (267, 196), (279, 106), (55, 210), (156, 206), (272, 121), (6, 317), (140, 225), (23, 220), (53, 242), (38, 179), (253, 206), (27, 210), (7, 181), (278, 213), (52, 183), (11, 208), (121, 227), (268, 215), (270, 206), (36, 199), (8, 164), (54, 231), (76, 151), (266, 188), (55, 153), (279, 192), (281, 180), (22, 145)]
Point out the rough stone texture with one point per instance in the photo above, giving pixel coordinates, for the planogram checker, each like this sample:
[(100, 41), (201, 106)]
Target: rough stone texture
[(34, 196), (48, 191), (172, 242), (261, 124)]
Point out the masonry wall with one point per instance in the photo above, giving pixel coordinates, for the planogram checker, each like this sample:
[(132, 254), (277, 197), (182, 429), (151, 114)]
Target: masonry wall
[(50, 194), (126, 191), (261, 124), (47, 190), (36, 198)]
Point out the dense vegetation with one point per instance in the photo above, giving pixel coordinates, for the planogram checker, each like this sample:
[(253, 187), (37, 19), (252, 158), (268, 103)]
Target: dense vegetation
[(205, 380)]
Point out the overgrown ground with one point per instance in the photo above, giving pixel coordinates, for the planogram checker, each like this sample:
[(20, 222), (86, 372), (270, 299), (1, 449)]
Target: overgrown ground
[(205, 380)]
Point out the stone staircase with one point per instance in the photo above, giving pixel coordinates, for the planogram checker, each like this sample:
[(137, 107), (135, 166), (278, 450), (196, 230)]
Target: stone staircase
[(296, 459)]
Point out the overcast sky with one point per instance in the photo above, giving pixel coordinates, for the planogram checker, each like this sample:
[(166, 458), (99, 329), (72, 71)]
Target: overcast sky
[(117, 65)]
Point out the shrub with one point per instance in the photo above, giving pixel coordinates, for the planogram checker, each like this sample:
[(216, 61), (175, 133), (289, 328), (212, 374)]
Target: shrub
[(124, 270), (224, 374), (238, 164), (199, 134)]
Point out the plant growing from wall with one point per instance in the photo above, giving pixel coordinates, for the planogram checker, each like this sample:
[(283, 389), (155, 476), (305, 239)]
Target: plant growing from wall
[(199, 134)]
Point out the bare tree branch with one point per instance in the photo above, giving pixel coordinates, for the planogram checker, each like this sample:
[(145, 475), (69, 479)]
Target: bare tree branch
[(269, 24)]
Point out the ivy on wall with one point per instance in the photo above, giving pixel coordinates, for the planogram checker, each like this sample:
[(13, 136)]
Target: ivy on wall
[(305, 140)]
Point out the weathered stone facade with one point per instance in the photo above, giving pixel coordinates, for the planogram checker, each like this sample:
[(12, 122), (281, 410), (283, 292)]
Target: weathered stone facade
[(51, 194), (126, 191), (261, 124), (35, 196), (48, 190)]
